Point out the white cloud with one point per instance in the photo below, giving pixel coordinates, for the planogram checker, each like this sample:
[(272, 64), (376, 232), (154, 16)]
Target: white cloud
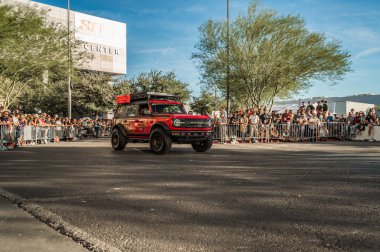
[(157, 50), (367, 52), (362, 33), (195, 8)]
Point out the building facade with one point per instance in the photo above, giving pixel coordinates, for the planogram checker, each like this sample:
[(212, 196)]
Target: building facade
[(104, 39)]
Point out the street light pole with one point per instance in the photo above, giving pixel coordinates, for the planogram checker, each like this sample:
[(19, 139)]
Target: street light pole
[(69, 62), (228, 57)]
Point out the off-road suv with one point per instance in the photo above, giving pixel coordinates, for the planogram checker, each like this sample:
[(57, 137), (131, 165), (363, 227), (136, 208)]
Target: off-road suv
[(159, 119)]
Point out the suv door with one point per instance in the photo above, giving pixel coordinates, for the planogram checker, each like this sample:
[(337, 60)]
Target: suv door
[(129, 121), (145, 119)]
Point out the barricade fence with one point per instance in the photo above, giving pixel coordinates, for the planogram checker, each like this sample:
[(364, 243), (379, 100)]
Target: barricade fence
[(283, 132), (12, 135)]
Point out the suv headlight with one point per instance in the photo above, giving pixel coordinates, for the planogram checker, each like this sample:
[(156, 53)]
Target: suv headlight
[(178, 122), (209, 123)]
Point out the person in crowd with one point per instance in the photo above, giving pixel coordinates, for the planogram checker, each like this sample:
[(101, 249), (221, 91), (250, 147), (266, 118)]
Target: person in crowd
[(319, 108), (234, 122), (43, 127), (253, 122), (4, 117), (97, 128), (302, 107), (330, 118), (48, 120), (308, 114), (350, 119), (23, 122), (313, 125), (264, 117), (310, 106), (370, 121), (243, 125), (359, 122), (325, 108)]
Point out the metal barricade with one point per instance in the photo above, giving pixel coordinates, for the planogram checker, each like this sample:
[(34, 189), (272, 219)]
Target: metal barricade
[(8, 136), (284, 132), (11, 135)]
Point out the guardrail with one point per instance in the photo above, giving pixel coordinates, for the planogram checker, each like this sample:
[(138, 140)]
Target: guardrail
[(284, 132), (12, 135)]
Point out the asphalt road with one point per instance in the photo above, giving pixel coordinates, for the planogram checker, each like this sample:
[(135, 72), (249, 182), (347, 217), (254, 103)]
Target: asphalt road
[(259, 197)]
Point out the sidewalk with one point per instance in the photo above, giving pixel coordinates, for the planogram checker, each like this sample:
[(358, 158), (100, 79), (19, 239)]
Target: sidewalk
[(20, 232)]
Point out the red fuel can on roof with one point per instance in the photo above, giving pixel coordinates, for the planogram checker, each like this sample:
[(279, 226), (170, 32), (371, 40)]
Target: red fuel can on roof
[(123, 99)]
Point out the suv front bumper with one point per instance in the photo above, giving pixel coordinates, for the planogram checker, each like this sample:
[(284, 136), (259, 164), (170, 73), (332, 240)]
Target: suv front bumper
[(190, 136)]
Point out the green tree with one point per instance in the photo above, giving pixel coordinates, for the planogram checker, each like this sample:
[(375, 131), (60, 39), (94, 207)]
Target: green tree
[(205, 103), (271, 56), (157, 81), (121, 86), (92, 94), (29, 47)]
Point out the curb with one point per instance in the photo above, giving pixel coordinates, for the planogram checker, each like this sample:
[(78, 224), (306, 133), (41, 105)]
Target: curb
[(57, 223)]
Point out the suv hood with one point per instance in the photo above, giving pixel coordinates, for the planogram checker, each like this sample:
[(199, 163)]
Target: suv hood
[(186, 116)]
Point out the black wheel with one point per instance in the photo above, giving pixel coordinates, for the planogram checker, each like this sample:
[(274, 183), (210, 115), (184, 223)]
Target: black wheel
[(160, 142), (202, 146), (118, 140)]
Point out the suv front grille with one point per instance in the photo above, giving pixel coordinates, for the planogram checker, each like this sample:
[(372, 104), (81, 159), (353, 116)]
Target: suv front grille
[(194, 123)]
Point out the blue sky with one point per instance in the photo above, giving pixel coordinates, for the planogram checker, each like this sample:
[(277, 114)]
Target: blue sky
[(161, 34)]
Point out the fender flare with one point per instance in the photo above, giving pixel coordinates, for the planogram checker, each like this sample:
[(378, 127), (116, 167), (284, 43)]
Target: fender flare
[(159, 125), (121, 128)]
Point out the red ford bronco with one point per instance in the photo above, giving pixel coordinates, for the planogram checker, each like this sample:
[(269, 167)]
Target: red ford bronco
[(159, 119)]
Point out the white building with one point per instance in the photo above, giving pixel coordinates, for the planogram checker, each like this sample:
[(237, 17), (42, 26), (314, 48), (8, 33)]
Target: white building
[(338, 105), (105, 39)]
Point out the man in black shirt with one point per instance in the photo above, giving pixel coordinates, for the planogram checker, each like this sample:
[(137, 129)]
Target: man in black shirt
[(310, 106)]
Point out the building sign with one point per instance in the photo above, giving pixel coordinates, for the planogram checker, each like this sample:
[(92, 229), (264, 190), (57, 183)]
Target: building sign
[(105, 39), (101, 49)]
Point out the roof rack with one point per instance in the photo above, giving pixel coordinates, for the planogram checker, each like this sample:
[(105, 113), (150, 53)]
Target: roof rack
[(153, 96)]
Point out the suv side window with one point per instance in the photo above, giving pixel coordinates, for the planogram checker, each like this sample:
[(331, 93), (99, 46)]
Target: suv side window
[(131, 110), (121, 111), (144, 109)]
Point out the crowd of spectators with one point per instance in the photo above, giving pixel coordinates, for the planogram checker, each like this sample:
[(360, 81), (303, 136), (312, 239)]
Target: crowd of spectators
[(247, 121), (14, 122)]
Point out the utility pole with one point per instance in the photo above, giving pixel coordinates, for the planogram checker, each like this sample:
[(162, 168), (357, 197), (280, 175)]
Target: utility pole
[(69, 62), (228, 57)]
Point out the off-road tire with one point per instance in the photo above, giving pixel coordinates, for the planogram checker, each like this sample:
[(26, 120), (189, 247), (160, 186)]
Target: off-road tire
[(202, 146), (160, 142), (118, 140)]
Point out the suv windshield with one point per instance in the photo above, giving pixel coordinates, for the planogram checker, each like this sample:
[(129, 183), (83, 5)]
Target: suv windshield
[(167, 109)]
